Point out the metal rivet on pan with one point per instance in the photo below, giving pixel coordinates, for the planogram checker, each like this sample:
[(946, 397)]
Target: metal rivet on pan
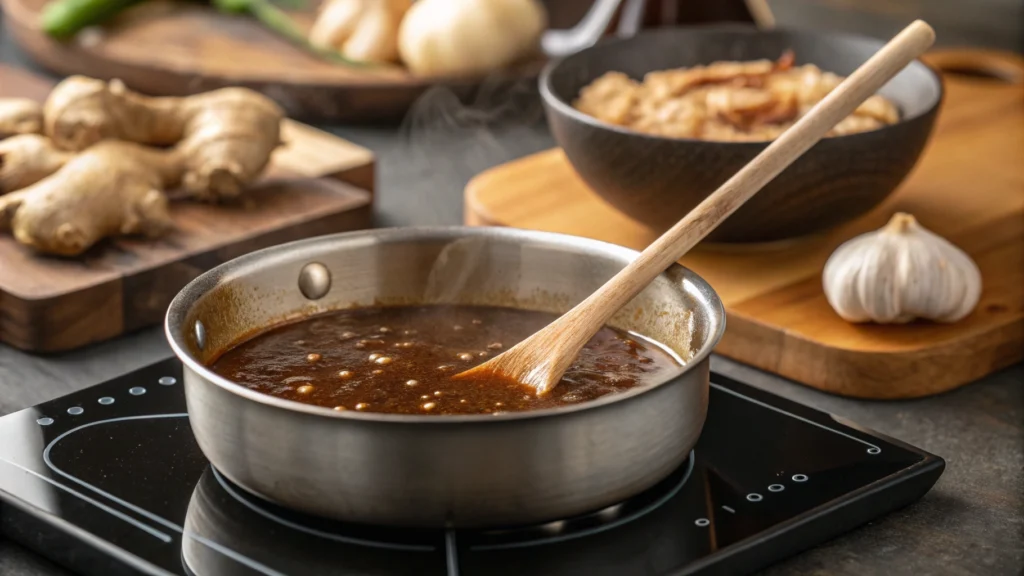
[(314, 281), (200, 334)]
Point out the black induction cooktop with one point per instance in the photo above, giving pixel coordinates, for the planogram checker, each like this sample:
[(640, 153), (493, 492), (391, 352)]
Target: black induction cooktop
[(109, 480)]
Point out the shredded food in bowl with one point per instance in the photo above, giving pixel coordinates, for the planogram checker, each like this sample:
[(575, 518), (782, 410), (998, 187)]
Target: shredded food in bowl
[(725, 101)]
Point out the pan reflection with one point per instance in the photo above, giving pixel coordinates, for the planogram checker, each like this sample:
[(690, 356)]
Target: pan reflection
[(648, 534), (229, 532)]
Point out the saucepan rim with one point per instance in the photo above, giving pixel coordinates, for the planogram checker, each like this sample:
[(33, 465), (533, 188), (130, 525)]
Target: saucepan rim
[(566, 109), (177, 313)]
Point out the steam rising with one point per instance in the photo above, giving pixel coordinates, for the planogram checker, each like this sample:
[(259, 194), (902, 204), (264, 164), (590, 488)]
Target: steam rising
[(457, 263), (450, 135), (451, 139)]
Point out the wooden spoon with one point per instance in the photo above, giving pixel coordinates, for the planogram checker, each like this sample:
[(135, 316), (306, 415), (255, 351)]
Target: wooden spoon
[(540, 360)]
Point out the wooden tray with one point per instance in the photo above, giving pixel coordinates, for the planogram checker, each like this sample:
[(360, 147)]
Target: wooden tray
[(174, 48), (968, 187), (318, 184)]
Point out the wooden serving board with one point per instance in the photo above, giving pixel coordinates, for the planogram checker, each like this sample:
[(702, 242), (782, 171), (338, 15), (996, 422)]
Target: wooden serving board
[(177, 48), (968, 187), (317, 184)]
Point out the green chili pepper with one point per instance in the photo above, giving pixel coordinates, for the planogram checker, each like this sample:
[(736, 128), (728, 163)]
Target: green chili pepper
[(63, 18)]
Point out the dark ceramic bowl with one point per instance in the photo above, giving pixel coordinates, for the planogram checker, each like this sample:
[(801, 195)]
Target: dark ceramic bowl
[(657, 180)]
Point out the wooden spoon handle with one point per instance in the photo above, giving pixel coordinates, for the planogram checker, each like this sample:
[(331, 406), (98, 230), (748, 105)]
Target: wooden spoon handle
[(673, 244)]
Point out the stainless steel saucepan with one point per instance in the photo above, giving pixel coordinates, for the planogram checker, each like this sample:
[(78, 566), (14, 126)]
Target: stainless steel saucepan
[(453, 471)]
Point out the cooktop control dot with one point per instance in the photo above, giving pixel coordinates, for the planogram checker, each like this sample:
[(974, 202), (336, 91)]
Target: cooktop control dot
[(137, 391), (106, 400), (874, 450), (754, 497), (167, 380), (702, 522), (776, 488), (44, 421), (75, 410), (799, 478)]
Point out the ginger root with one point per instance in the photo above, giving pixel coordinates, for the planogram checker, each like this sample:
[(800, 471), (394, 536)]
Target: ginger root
[(111, 188), (26, 159), (96, 159), (20, 116), (223, 138)]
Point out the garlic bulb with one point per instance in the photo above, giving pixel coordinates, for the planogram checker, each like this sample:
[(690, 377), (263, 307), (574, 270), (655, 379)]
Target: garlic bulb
[(466, 37), (899, 273), (363, 30)]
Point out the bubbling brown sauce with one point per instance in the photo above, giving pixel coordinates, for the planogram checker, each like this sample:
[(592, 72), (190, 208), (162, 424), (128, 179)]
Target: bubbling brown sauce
[(400, 360)]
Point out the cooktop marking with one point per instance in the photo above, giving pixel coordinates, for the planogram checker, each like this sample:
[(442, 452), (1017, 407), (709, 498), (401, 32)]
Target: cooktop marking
[(330, 536), (799, 478), (702, 522), (776, 487), (144, 527), (106, 401), (728, 509), (237, 557), (75, 410), (137, 509), (220, 480), (754, 497), (44, 421), (126, 504), (872, 449), (136, 390), (598, 529), (451, 553), (167, 380)]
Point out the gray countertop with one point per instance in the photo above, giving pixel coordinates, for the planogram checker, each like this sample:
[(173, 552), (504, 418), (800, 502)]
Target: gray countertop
[(971, 522)]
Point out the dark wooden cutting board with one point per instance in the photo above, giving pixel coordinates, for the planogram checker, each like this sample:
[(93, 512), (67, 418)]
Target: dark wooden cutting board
[(317, 184), (172, 48)]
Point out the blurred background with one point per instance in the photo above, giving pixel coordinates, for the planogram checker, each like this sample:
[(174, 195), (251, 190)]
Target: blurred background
[(504, 121), (989, 23)]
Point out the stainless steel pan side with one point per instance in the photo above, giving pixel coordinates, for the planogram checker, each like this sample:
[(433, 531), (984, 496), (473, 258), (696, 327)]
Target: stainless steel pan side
[(486, 470)]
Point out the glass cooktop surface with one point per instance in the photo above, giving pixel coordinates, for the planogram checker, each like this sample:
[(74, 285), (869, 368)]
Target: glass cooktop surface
[(109, 480)]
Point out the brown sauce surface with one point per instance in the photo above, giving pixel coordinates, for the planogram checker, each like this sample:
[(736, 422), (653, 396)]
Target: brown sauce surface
[(401, 360)]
